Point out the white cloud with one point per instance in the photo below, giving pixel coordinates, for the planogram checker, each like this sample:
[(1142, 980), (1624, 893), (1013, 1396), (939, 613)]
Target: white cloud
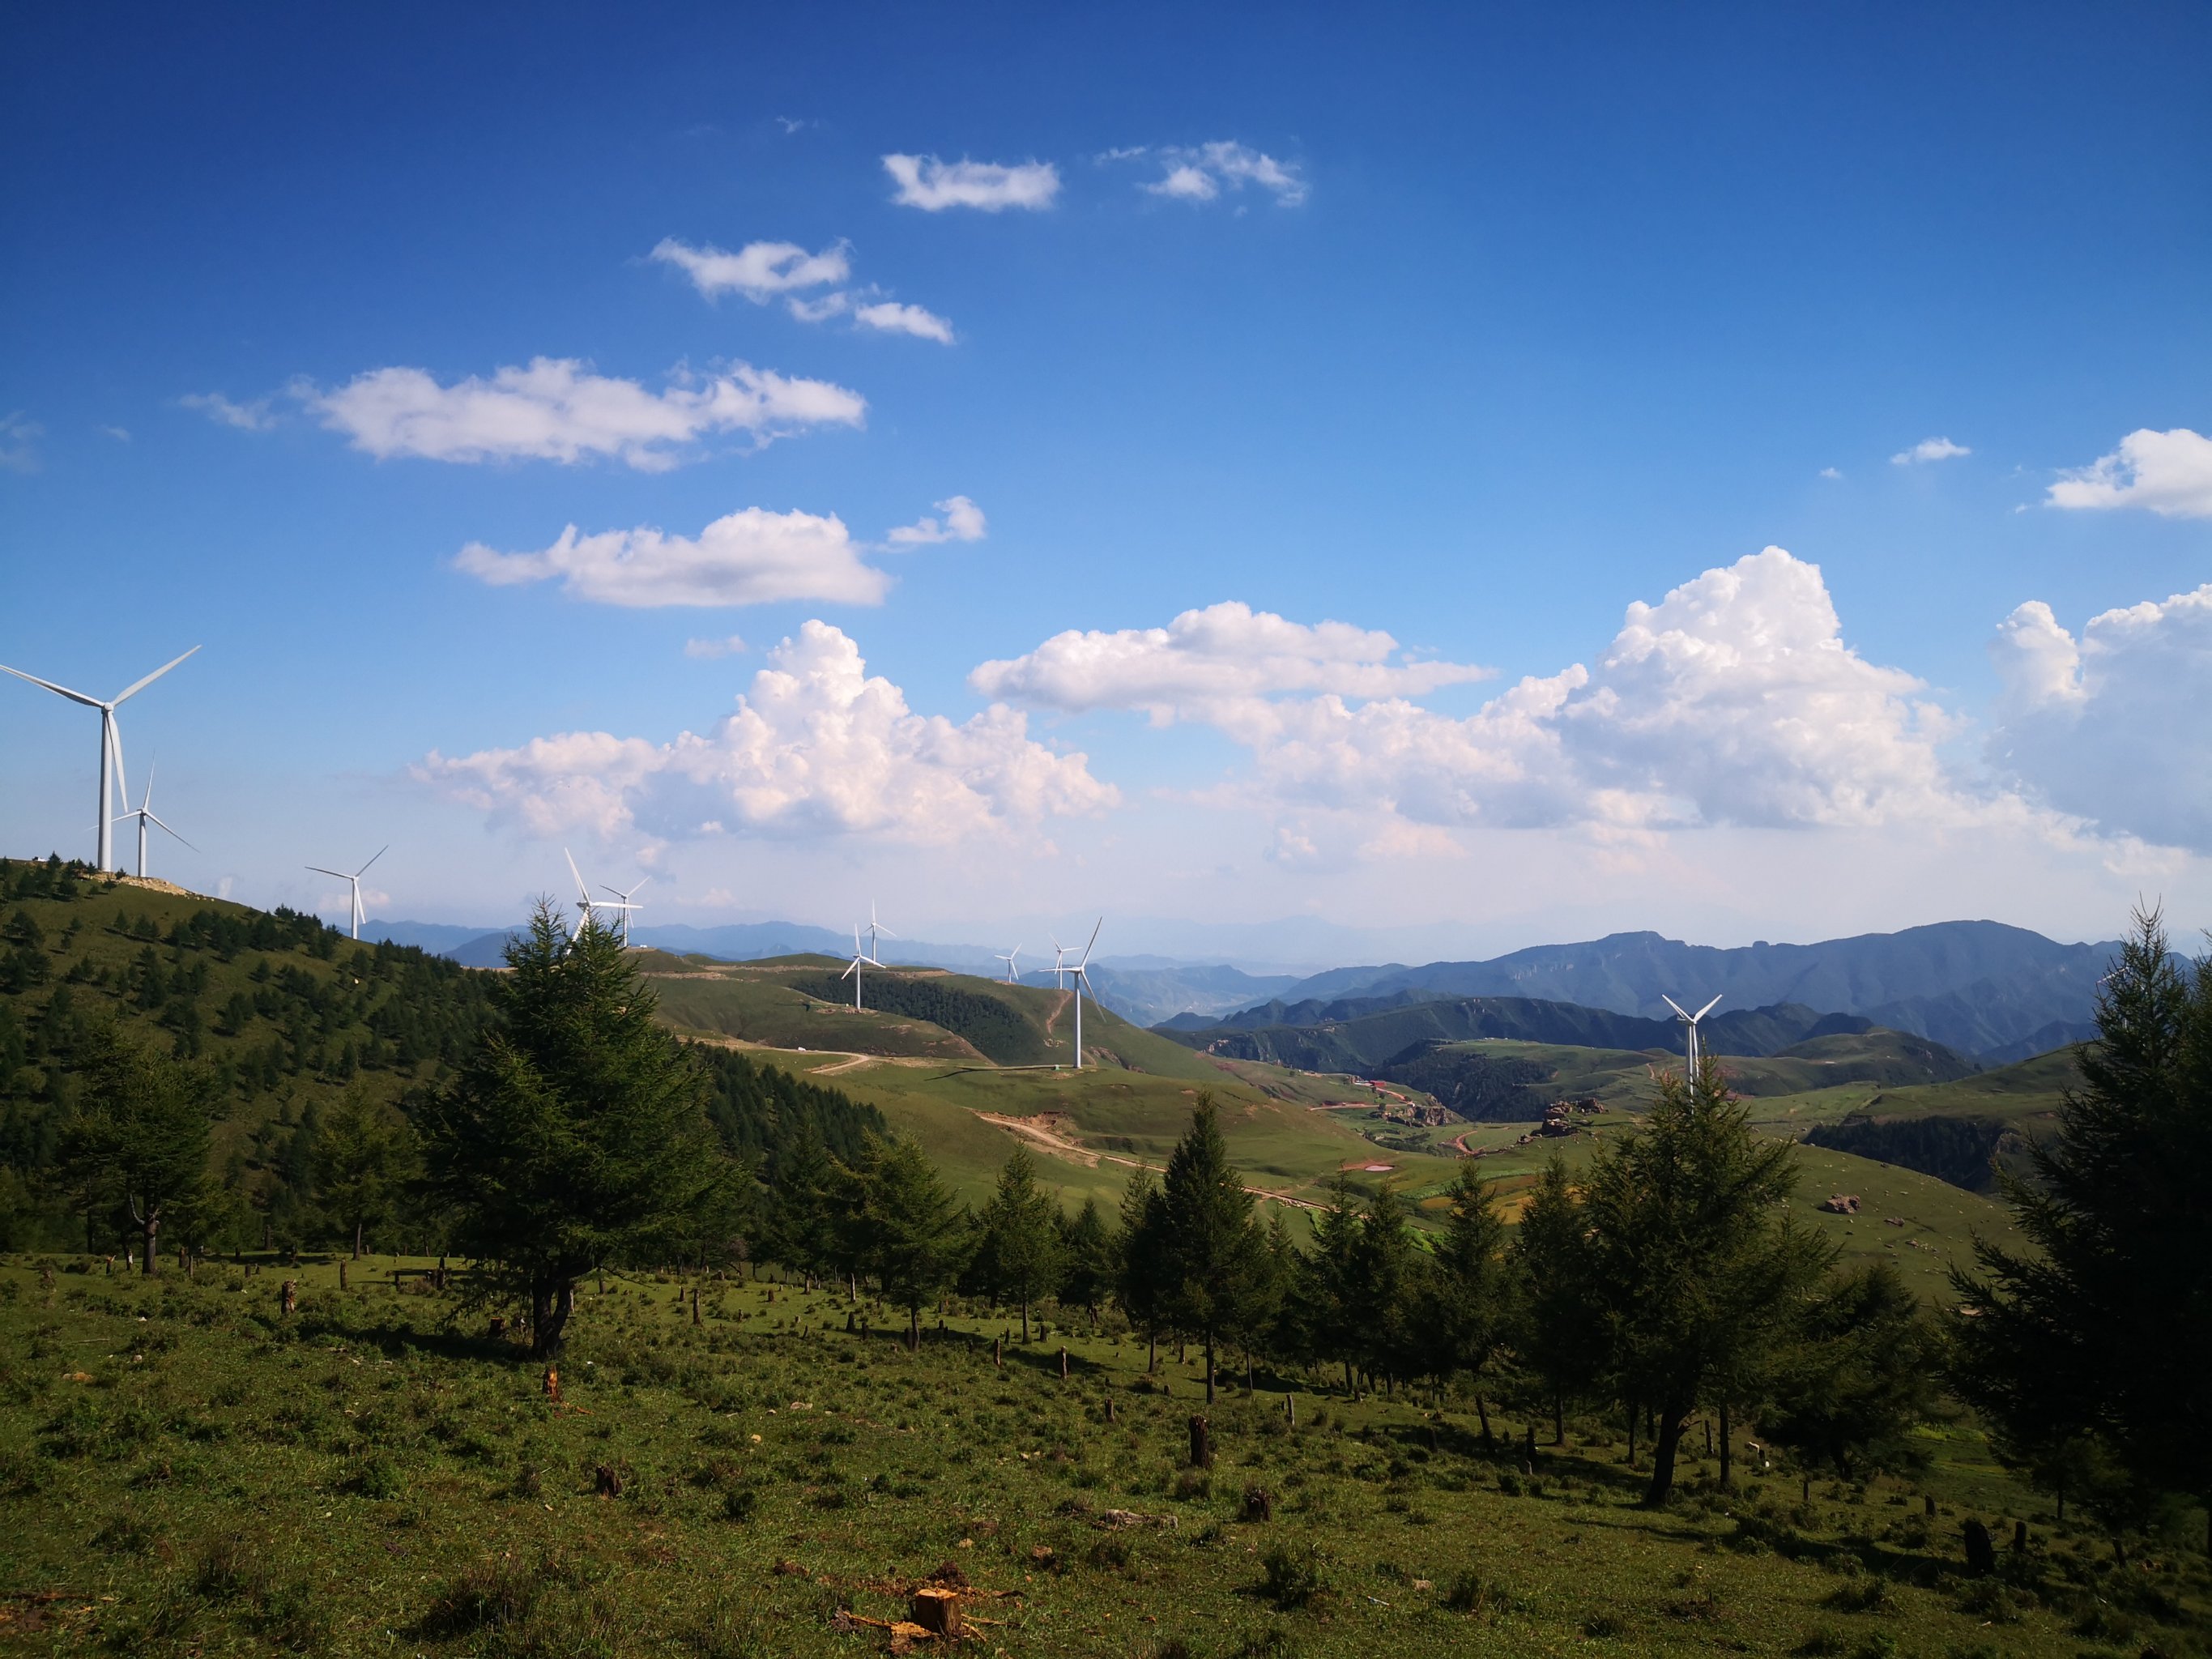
[(556, 410), (18, 437), (750, 557), (821, 310), (1201, 173), (932, 186), (1734, 700), (2113, 728), (1831, 472), (1928, 449), (120, 434), (2168, 472), (759, 270), (888, 317), (247, 417), (963, 522), (1210, 665), (731, 646), (817, 746)]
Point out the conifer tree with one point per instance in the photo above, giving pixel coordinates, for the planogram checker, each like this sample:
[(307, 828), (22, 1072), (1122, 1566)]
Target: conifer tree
[(577, 1135), (1019, 1247), (915, 1238), (1391, 1270), (1469, 1306), (1860, 1376), (1213, 1247), (140, 1137), (2092, 1352), (1087, 1258), (1331, 1284), (362, 1158), (1139, 1248)]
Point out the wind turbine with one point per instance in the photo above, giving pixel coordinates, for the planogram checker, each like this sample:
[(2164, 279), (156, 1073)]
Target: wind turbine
[(585, 905), (860, 958), (145, 815), (111, 749), (875, 927), (624, 905), (1083, 983), (1058, 963), (1012, 978), (360, 912), (1696, 1047)]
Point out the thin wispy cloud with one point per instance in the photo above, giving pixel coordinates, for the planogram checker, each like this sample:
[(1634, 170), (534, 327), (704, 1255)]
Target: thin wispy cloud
[(1205, 172), (19, 438), (120, 434), (555, 409), (888, 317), (758, 271), (933, 185), (1927, 450), (256, 416), (2168, 473), (963, 522)]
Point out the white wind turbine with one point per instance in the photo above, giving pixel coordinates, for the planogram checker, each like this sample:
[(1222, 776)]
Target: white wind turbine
[(860, 958), (145, 814), (875, 928), (111, 749), (585, 904), (1694, 1044), (1058, 963), (360, 911), (622, 902), (1012, 978), (1082, 973)]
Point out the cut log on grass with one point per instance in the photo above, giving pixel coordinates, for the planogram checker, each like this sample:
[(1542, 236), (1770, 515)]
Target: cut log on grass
[(1201, 1443), (936, 1608)]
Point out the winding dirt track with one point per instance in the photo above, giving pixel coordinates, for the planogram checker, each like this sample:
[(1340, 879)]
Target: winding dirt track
[(1050, 1140)]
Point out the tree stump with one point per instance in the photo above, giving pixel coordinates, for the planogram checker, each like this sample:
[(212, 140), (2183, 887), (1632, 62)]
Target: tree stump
[(936, 1608), (998, 1352), (341, 1275), (1981, 1550), (2019, 1537), (1928, 1503), (553, 1385), (1109, 1408), (1259, 1504), (291, 1297), (695, 1305), (608, 1479), (497, 1329), (1201, 1443)]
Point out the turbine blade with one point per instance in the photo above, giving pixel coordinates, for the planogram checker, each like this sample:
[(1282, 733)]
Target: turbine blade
[(380, 852), (320, 871), (115, 735), (142, 684), (1675, 1005), (578, 875), (59, 691), (1710, 1006), (148, 801), (154, 819), (1100, 922)]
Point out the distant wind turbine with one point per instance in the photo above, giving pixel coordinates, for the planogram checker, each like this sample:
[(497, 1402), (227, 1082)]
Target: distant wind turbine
[(876, 928), (111, 749), (1082, 972), (860, 958), (145, 814), (1695, 1044), (360, 912), (585, 904), (1012, 978), (622, 902), (1058, 963)]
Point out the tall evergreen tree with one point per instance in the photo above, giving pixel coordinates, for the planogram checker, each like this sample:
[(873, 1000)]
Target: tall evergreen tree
[(914, 1237), (1139, 1261), (1018, 1250), (1697, 1278), (2093, 1352), (1087, 1258), (1392, 1273), (1212, 1247), (577, 1135), (140, 1137), (362, 1159), (1331, 1284), (1862, 1375), (1469, 1308)]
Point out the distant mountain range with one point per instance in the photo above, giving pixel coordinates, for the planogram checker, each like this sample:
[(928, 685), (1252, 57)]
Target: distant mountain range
[(1998, 993)]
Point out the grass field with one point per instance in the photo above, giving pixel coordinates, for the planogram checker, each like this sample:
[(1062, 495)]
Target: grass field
[(185, 1470)]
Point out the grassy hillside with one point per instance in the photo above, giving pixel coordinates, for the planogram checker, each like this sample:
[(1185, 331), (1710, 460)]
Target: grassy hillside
[(1962, 1132), (184, 1470)]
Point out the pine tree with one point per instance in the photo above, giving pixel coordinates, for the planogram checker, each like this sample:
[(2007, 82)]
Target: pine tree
[(1211, 1247), (576, 1136), (1020, 1252), (1331, 1284), (1087, 1256), (141, 1137), (362, 1159), (915, 1239), (1391, 1274), (1697, 1278), (2091, 1354), (1860, 1376), (1469, 1308), (1139, 1248)]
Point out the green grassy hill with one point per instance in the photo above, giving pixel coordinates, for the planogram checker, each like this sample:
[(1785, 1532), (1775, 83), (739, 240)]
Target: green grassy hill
[(1961, 1132)]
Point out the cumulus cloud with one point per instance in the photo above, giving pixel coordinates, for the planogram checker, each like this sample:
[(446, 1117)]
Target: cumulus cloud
[(18, 442), (2112, 727), (817, 746), (963, 522), (888, 317), (932, 186), (1202, 174), (556, 410), (2170, 473), (750, 557), (759, 270), (1928, 449), (255, 416), (1208, 665), (1732, 701)]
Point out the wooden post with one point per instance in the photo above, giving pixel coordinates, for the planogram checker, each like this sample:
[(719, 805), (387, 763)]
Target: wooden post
[(1109, 1408), (695, 1305), (998, 1352), (291, 1295), (553, 1385), (1063, 1364), (341, 1275), (1928, 1504), (1201, 1443), (1290, 1406), (936, 1609), (1981, 1550), (1527, 1449)]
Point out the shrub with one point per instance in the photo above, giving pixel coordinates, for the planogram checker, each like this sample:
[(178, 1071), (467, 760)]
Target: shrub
[(1291, 1578)]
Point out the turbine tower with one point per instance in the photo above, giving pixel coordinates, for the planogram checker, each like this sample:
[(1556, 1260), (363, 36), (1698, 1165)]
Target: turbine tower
[(360, 911), (1082, 972), (111, 750), (860, 958), (1012, 978), (145, 814), (1693, 1043), (622, 902)]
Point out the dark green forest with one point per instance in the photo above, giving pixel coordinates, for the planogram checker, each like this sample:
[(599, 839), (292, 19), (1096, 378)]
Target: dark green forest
[(998, 1030)]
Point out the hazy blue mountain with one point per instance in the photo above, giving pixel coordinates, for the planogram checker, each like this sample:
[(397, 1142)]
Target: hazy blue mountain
[(1150, 994), (1980, 986)]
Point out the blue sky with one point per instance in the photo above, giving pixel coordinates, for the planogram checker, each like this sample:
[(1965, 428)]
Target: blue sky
[(1468, 327)]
